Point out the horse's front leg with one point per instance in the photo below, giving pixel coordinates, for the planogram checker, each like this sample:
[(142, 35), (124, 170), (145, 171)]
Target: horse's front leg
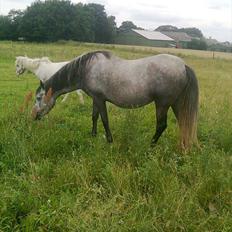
[(101, 106)]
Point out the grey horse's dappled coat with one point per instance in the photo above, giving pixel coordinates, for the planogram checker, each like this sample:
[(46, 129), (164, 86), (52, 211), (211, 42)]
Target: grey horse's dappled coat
[(163, 79)]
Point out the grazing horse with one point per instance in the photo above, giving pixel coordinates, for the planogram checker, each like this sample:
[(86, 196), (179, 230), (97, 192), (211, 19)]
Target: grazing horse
[(163, 79), (43, 68)]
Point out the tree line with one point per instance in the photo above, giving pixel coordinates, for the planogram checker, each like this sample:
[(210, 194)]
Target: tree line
[(54, 20)]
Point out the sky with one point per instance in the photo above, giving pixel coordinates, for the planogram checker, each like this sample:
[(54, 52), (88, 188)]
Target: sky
[(212, 17)]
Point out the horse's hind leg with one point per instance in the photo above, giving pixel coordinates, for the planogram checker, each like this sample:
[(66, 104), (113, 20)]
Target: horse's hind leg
[(101, 107), (161, 122), (95, 116)]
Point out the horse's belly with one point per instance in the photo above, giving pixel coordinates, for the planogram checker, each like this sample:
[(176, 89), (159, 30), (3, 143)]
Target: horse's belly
[(129, 99)]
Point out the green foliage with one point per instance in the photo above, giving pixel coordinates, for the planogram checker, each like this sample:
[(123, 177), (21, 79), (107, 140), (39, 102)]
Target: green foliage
[(5, 25), (54, 20), (127, 26), (10, 25), (82, 24), (192, 31), (221, 47), (167, 28), (48, 21), (100, 22), (197, 44), (55, 177)]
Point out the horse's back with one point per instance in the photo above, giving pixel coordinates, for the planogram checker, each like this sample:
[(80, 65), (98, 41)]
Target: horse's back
[(138, 82)]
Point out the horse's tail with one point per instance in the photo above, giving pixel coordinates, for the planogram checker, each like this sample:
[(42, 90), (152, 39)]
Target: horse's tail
[(186, 110)]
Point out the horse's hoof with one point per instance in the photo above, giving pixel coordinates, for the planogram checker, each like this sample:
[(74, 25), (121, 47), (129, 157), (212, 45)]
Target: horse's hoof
[(94, 133), (109, 139)]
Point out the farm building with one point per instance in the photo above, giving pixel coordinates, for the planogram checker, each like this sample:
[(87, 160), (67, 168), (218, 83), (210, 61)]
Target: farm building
[(181, 38), (144, 38)]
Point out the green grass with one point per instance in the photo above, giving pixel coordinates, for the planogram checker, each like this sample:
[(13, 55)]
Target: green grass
[(55, 177)]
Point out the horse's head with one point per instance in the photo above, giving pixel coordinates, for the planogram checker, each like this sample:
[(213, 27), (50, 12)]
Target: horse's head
[(20, 69), (43, 103)]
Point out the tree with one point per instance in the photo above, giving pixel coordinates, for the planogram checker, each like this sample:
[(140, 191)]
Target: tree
[(15, 17), (10, 25), (53, 20), (126, 26), (101, 26), (83, 28), (166, 28), (5, 25), (192, 31), (112, 29), (198, 44), (48, 21)]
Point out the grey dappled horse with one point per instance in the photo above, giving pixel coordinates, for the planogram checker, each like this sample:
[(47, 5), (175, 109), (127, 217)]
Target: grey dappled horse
[(163, 79)]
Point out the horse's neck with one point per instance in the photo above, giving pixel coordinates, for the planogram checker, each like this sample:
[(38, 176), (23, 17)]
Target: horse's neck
[(30, 65), (60, 82)]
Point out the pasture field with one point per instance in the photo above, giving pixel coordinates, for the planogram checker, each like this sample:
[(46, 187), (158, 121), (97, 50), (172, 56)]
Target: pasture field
[(55, 177)]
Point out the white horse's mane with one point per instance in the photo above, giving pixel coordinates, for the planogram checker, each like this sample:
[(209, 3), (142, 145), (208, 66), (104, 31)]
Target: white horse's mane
[(44, 59), (31, 62)]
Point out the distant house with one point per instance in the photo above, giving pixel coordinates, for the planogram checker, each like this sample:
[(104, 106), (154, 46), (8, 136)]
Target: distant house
[(181, 38), (144, 38)]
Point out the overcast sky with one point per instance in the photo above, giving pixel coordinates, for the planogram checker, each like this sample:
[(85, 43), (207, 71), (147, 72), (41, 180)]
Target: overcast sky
[(212, 17)]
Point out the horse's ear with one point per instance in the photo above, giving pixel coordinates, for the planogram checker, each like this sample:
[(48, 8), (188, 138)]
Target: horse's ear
[(48, 95)]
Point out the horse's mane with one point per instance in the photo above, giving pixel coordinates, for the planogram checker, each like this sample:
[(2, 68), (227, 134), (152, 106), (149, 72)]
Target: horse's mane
[(44, 59), (77, 67), (82, 61), (85, 58), (90, 55)]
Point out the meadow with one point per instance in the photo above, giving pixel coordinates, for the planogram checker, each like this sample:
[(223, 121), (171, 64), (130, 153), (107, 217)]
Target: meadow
[(55, 177)]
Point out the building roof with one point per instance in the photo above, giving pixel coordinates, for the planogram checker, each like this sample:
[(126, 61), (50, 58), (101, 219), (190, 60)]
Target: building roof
[(178, 36), (153, 35)]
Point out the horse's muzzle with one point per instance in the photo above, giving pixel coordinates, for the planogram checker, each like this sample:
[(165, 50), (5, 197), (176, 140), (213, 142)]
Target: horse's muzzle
[(18, 73), (36, 114)]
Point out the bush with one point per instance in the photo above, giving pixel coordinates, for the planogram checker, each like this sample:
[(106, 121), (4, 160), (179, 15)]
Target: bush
[(198, 44)]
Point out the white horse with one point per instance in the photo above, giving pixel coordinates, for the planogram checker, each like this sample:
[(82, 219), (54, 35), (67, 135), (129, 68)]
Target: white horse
[(43, 68)]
